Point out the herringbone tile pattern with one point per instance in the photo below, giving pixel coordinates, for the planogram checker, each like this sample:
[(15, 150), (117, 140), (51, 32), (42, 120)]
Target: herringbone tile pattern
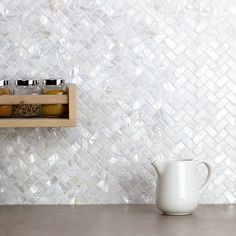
[(156, 79)]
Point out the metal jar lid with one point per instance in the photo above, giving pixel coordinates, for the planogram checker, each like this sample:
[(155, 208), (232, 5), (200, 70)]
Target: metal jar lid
[(54, 81), (26, 82), (4, 82)]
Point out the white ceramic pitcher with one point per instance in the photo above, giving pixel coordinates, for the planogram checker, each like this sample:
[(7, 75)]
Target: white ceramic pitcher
[(177, 189)]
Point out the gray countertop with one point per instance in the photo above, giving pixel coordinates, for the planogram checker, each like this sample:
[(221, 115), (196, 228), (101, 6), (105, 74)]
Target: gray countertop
[(112, 220)]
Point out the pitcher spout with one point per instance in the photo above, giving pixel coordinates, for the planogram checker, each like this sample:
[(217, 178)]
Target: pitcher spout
[(158, 166)]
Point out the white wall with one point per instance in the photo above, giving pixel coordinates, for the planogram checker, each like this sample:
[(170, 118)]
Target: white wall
[(156, 79)]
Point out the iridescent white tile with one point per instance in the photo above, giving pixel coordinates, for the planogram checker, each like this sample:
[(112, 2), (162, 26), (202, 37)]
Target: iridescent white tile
[(156, 79)]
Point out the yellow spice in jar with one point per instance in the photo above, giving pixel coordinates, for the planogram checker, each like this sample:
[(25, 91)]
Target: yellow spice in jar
[(5, 110), (54, 110)]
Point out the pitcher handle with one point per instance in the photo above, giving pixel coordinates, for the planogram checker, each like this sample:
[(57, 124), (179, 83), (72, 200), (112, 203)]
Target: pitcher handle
[(209, 173)]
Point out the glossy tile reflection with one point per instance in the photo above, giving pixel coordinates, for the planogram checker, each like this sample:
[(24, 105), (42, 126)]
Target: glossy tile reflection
[(155, 79)]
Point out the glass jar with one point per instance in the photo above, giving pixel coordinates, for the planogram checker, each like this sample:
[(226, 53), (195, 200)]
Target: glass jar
[(27, 87), (5, 110), (54, 87)]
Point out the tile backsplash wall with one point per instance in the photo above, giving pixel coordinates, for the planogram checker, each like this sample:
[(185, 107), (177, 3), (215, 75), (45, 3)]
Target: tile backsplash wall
[(156, 79)]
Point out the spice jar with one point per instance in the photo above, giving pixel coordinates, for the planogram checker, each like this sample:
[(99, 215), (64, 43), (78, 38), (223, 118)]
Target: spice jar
[(27, 87), (5, 110), (54, 87)]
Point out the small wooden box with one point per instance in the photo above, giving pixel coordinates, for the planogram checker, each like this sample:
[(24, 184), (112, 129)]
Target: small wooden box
[(69, 99)]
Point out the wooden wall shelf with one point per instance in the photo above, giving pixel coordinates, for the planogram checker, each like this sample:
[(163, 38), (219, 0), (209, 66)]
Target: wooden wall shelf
[(69, 99)]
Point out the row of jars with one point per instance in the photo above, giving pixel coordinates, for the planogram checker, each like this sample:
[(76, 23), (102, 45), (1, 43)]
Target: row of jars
[(32, 87)]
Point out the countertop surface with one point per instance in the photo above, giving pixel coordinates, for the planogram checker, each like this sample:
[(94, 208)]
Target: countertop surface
[(112, 220)]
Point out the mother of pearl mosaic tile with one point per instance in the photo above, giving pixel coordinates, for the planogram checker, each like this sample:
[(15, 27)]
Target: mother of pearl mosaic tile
[(156, 79)]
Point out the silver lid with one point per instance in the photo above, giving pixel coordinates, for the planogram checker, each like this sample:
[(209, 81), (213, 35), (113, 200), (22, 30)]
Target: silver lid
[(4, 82), (54, 81), (26, 82)]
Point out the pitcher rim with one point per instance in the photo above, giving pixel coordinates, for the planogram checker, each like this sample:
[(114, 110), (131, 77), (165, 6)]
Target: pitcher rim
[(177, 160)]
